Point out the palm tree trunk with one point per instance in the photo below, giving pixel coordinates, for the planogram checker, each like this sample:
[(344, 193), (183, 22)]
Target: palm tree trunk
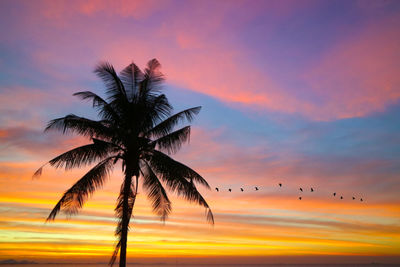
[(126, 215), (125, 220)]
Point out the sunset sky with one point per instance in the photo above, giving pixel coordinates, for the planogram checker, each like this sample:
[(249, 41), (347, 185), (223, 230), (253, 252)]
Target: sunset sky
[(303, 93)]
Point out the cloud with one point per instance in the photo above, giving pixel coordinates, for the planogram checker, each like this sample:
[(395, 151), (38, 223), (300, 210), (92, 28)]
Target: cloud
[(360, 74), (12, 261), (122, 8), (218, 68), (226, 164), (137, 9), (36, 143), (353, 77)]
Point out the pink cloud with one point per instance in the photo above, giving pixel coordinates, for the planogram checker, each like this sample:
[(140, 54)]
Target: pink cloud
[(218, 68), (21, 106), (360, 75), (221, 71), (34, 143), (123, 8), (356, 77)]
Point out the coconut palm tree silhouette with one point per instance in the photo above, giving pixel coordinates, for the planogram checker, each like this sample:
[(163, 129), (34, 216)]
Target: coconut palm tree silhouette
[(137, 128)]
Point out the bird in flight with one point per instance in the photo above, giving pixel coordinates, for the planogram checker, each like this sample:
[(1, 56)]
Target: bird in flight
[(361, 199), (300, 198), (301, 189), (230, 190), (241, 189), (312, 190), (354, 198), (256, 188), (341, 197), (216, 189), (334, 194), (280, 185)]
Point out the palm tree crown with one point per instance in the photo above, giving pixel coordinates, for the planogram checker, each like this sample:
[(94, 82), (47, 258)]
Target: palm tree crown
[(135, 127)]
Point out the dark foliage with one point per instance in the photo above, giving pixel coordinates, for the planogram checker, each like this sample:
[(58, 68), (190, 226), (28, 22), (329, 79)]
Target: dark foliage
[(136, 126)]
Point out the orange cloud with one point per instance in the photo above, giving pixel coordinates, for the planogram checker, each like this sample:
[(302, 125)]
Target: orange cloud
[(3, 133)]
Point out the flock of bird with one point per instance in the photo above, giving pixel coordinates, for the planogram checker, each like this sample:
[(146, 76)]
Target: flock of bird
[(280, 185)]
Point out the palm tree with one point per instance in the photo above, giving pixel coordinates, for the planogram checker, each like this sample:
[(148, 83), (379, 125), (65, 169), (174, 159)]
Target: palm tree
[(137, 129)]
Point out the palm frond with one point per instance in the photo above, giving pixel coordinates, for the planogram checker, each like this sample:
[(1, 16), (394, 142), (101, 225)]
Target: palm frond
[(97, 101), (172, 168), (151, 82), (161, 107), (119, 208), (74, 198), (153, 73), (156, 193), (172, 142), (115, 253), (179, 178), (105, 109), (131, 76), (81, 156), (84, 155), (81, 126), (166, 126), (115, 89), (154, 110), (38, 172)]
